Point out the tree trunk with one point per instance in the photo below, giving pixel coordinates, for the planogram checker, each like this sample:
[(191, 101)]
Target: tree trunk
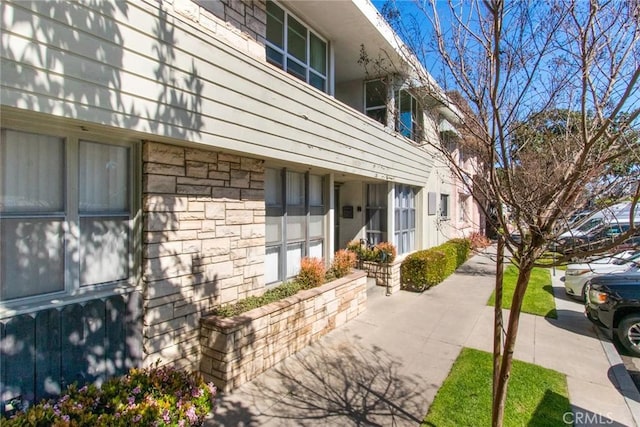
[(497, 412), (497, 323)]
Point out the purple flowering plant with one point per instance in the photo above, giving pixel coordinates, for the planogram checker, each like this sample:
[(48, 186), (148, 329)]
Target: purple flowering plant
[(155, 396)]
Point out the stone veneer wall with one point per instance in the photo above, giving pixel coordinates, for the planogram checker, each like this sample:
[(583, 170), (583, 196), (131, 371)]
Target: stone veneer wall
[(248, 16), (241, 23), (385, 275), (203, 243), (237, 349)]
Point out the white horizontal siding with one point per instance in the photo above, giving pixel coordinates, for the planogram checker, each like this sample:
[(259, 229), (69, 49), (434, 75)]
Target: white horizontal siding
[(201, 91)]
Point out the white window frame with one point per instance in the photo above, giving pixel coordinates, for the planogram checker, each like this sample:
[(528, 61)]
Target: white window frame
[(445, 206), (376, 207), (405, 206), (72, 291), (370, 108), (286, 56), (416, 133)]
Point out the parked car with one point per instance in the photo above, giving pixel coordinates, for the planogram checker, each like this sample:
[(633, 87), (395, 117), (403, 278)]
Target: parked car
[(577, 274), (613, 303), (598, 237), (594, 220)]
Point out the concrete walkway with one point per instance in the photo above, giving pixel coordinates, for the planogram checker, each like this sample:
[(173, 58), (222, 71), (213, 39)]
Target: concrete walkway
[(385, 367)]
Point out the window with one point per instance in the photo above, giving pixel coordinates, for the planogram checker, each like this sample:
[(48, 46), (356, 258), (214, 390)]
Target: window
[(409, 120), (295, 223), (405, 218), (291, 46), (444, 206), (376, 213), (65, 214), (375, 100), (463, 201)]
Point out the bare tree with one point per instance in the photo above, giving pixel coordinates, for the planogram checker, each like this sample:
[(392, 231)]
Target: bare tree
[(553, 102)]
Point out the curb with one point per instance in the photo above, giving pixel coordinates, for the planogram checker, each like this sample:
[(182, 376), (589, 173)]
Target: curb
[(626, 386)]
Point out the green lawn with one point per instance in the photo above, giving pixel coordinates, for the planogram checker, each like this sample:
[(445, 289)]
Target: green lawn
[(539, 297), (536, 397)]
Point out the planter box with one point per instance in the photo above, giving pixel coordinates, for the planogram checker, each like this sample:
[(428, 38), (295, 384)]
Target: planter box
[(237, 349)]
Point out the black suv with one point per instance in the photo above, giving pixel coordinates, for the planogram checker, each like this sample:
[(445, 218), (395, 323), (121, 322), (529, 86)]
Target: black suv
[(612, 301)]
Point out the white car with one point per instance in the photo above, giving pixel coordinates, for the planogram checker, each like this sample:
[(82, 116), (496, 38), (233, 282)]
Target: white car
[(577, 274)]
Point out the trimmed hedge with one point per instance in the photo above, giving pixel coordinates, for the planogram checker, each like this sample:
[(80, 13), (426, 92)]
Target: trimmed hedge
[(428, 267)]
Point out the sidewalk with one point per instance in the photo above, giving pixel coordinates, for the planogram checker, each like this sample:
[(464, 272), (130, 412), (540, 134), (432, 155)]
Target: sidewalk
[(385, 367)]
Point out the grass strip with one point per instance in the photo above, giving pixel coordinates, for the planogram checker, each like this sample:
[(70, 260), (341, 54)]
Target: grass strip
[(538, 299), (536, 396)]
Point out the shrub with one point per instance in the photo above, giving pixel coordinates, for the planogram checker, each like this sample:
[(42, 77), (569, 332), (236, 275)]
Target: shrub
[(423, 269), (478, 241), (429, 267), (312, 273), (343, 262), (373, 254), (462, 248), (160, 396), (387, 249)]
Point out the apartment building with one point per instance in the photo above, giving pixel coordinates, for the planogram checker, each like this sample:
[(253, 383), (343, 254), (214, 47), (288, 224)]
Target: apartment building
[(160, 158)]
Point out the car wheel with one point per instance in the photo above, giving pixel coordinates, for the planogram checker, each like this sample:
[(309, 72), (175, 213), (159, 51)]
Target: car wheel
[(629, 333)]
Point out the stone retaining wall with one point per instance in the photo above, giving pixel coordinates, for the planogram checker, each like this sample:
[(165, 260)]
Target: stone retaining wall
[(237, 349)]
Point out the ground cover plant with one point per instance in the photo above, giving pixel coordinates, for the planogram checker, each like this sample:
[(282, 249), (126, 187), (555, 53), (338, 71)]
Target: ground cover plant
[(539, 297), (537, 397), (155, 396)]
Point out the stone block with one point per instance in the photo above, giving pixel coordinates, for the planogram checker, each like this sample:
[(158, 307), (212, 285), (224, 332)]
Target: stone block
[(214, 247), (230, 158), (163, 153), (215, 210), (197, 169), (196, 206), (243, 216), (162, 169), (229, 295), (226, 193), (219, 176), (201, 155), (231, 231), (191, 216), (252, 165), (252, 270), (251, 194), (222, 270), (191, 224), (252, 231), (159, 184), (239, 178), (161, 221), (213, 6), (155, 250), (164, 203), (193, 189)]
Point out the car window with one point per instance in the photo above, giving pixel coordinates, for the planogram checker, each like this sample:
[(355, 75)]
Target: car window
[(590, 224)]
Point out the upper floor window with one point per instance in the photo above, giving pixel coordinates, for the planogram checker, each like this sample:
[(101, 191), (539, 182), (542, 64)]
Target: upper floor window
[(409, 121), (66, 215), (375, 100), (295, 48)]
